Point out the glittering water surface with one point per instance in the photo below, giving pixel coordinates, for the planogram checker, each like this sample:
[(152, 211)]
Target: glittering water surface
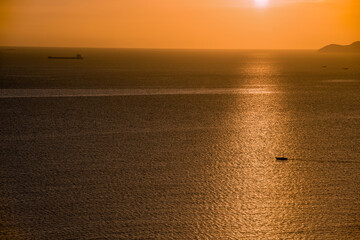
[(155, 144)]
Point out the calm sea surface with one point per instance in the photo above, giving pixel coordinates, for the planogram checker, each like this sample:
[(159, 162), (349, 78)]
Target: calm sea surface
[(179, 144)]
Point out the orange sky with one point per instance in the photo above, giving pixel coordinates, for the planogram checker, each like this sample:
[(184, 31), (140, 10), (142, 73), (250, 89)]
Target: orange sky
[(235, 24)]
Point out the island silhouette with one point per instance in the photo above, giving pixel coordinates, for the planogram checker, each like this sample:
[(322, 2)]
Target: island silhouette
[(352, 48)]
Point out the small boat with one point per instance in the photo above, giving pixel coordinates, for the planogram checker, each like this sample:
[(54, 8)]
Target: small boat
[(345, 68), (78, 56), (281, 158)]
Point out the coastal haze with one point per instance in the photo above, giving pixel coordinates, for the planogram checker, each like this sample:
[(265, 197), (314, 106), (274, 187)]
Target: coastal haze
[(179, 144)]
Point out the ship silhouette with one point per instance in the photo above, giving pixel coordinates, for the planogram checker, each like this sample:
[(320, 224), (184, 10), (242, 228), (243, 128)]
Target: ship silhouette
[(78, 56)]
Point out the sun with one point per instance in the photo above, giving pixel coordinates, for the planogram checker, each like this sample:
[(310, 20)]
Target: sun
[(261, 3)]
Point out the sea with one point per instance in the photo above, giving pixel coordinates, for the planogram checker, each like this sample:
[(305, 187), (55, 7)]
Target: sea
[(179, 144)]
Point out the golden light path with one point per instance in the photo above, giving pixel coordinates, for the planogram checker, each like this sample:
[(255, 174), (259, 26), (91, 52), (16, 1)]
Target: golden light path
[(261, 3)]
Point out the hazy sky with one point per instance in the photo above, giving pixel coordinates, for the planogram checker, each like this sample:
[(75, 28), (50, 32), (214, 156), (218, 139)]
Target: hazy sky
[(240, 24)]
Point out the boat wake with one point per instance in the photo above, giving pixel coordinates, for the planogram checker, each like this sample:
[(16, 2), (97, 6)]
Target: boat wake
[(323, 161)]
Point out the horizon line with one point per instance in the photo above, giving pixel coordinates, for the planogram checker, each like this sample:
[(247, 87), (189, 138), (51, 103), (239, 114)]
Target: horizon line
[(155, 48)]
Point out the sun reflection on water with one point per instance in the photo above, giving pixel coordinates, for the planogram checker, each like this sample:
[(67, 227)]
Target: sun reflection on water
[(261, 124)]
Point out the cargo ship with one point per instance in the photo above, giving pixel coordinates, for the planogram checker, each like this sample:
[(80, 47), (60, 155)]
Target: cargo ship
[(78, 56)]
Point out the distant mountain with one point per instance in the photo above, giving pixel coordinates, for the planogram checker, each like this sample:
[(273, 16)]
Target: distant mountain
[(352, 48)]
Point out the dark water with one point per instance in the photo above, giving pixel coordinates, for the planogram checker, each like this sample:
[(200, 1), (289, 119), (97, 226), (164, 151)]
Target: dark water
[(159, 144)]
